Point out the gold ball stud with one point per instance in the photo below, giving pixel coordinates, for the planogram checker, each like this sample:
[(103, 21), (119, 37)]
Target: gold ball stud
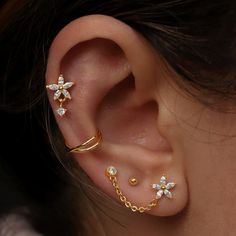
[(133, 181)]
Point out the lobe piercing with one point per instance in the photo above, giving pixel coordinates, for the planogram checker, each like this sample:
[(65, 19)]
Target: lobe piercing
[(111, 173), (163, 188)]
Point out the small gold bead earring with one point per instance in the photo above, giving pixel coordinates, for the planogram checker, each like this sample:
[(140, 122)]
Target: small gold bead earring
[(133, 181)]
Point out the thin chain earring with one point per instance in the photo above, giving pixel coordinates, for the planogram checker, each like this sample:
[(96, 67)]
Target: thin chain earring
[(112, 172), (163, 190)]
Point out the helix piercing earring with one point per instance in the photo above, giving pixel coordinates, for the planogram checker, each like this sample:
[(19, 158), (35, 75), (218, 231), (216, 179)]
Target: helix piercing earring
[(163, 188), (60, 93), (111, 173), (88, 145), (133, 181)]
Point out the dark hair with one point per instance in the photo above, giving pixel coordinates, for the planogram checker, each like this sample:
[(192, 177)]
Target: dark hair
[(196, 38)]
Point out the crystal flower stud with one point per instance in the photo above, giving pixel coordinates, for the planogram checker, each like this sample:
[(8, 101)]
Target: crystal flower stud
[(163, 188), (60, 93)]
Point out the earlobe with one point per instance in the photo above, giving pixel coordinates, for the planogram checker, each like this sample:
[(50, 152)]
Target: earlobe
[(113, 92)]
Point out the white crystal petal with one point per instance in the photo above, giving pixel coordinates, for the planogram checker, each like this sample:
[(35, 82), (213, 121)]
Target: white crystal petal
[(168, 193), (67, 85), (156, 186), (57, 94), (53, 87), (170, 185), (60, 80), (163, 180), (66, 94), (61, 111), (159, 194)]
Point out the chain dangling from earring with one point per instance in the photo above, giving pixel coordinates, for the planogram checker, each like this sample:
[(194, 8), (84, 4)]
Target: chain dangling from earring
[(112, 172), (163, 190)]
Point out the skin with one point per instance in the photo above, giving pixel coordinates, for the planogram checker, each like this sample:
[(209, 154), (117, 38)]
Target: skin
[(149, 127)]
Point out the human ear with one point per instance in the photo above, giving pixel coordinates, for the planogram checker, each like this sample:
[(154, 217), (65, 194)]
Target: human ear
[(115, 72)]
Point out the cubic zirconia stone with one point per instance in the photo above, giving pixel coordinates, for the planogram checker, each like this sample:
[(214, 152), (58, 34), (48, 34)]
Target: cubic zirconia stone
[(163, 180), (67, 85), (66, 94), (57, 94), (61, 111), (53, 87), (111, 170), (159, 194), (170, 185), (60, 80), (168, 193)]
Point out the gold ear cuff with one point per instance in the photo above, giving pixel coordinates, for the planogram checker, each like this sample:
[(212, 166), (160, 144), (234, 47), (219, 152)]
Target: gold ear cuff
[(88, 145)]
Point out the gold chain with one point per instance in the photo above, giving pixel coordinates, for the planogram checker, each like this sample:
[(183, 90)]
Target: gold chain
[(127, 203)]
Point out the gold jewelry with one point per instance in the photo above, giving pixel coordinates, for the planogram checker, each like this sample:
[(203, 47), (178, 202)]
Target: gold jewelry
[(133, 181), (163, 188), (88, 145), (61, 94), (112, 172)]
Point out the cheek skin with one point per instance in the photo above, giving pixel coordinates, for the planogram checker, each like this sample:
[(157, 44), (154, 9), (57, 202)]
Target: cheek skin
[(202, 140)]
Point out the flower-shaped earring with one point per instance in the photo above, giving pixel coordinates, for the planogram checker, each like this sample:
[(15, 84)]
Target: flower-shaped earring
[(61, 94), (163, 188)]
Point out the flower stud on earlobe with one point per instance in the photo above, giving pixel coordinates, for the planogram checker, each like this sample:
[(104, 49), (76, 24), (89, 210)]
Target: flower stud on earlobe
[(163, 188), (61, 94)]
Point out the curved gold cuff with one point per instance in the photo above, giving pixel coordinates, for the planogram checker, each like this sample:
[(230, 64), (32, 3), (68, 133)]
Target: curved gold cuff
[(88, 145)]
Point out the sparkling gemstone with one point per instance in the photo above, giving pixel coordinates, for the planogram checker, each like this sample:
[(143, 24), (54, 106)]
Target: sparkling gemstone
[(159, 194), (57, 94), (156, 186), (60, 80), (163, 180), (61, 111), (53, 87), (168, 193), (111, 170), (170, 185), (66, 94), (67, 85)]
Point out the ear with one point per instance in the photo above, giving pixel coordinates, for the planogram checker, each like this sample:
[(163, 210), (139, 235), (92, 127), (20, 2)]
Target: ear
[(115, 73)]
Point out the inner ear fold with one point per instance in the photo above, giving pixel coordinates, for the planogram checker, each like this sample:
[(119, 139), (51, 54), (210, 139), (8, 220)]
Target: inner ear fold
[(125, 120)]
